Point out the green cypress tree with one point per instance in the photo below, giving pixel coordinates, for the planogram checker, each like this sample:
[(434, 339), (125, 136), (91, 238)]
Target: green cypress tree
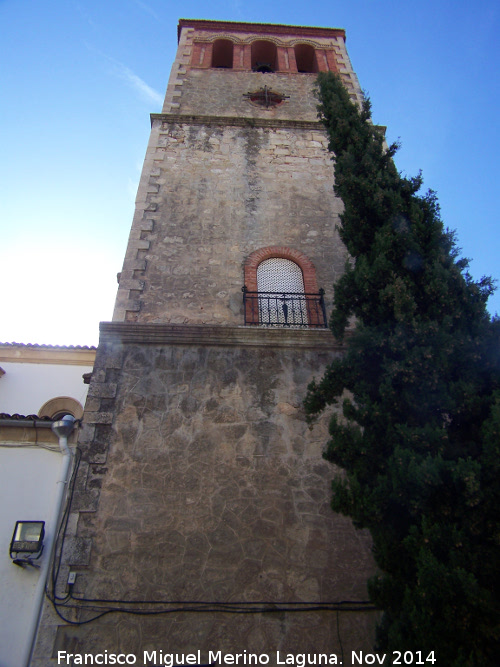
[(420, 392)]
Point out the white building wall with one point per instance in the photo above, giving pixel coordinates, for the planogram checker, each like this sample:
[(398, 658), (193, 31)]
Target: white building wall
[(25, 387), (30, 478), (28, 492)]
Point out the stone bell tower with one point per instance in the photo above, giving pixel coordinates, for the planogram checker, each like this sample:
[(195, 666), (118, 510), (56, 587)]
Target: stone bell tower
[(200, 516)]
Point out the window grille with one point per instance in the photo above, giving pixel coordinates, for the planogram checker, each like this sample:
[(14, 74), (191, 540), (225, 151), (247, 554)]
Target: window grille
[(280, 287), (279, 275)]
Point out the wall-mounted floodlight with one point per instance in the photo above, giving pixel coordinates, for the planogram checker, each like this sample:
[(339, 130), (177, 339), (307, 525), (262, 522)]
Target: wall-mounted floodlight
[(27, 542)]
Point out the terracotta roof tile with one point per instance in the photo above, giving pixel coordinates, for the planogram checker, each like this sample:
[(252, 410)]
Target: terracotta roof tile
[(17, 417), (50, 347)]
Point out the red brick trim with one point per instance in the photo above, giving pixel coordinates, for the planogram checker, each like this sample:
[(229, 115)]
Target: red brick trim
[(259, 28), (291, 59), (242, 57), (253, 261), (322, 60), (332, 60), (282, 65), (202, 54)]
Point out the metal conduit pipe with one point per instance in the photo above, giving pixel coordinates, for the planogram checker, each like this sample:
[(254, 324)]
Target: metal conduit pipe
[(63, 429)]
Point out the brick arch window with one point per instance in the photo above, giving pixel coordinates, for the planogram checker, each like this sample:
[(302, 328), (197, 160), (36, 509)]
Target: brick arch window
[(264, 56), (276, 273), (281, 289), (305, 57), (61, 405), (222, 54), (281, 299)]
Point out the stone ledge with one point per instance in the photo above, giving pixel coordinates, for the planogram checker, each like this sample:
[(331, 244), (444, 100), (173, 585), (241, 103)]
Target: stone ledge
[(236, 121), (98, 417), (102, 390), (210, 335)]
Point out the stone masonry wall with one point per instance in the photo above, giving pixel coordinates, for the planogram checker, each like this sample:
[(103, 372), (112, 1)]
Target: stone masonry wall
[(224, 177), (194, 54), (210, 487), (221, 93), (215, 194)]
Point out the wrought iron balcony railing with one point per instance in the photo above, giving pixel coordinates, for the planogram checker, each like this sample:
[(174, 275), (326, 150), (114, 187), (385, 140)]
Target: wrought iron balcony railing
[(284, 309)]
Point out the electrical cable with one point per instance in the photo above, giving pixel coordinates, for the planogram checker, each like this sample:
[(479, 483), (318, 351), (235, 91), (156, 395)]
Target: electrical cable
[(261, 604), (83, 604), (213, 608), (340, 640), (61, 534)]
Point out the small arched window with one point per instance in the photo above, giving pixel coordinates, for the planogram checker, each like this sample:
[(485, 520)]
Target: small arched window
[(264, 56), (60, 406), (280, 287), (277, 274), (222, 54), (305, 57)]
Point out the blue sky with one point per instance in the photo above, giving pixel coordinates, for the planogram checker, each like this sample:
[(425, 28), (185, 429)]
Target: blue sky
[(79, 79)]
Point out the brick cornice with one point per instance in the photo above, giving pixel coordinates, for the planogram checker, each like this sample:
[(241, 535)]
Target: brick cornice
[(210, 335), (260, 28), (235, 121)]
